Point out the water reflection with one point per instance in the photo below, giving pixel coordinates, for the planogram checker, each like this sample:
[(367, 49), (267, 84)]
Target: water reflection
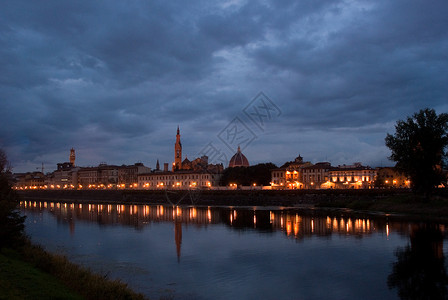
[(419, 272), (254, 251), (290, 222)]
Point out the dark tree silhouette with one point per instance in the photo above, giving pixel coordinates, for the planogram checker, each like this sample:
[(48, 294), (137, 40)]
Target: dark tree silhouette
[(259, 174), (11, 223), (418, 147), (419, 272)]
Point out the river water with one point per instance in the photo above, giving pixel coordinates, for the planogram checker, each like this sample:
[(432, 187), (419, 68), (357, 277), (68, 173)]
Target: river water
[(189, 252)]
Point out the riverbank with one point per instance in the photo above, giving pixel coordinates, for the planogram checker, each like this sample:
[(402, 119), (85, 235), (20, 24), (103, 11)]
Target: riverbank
[(415, 207), (389, 201), (254, 197), (29, 272)]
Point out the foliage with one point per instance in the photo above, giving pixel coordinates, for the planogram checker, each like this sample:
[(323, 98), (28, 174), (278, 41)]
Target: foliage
[(418, 147), (87, 284), (11, 223), (32, 273), (259, 174), (21, 280), (419, 272)]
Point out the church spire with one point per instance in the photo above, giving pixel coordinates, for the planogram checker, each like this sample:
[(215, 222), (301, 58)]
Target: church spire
[(177, 165)]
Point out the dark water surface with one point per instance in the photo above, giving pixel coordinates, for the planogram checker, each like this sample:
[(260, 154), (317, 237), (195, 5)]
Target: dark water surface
[(246, 253)]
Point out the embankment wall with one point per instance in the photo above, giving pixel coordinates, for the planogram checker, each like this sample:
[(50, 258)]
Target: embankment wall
[(207, 197)]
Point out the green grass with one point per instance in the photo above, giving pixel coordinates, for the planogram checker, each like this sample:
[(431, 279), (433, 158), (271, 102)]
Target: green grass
[(22, 280), (32, 273)]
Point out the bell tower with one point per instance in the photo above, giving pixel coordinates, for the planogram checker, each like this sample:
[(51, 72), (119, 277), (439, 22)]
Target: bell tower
[(72, 156), (177, 165)]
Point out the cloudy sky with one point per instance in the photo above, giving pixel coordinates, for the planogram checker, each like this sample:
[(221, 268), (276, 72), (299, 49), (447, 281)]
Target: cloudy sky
[(114, 79)]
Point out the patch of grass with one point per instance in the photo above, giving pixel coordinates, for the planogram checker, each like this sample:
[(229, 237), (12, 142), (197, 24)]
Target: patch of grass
[(29, 272), (89, 285), (22, 280)]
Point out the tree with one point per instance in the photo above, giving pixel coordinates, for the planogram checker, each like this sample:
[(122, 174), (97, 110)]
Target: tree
[(259, 174), (419, 272), (418, 148), (11, 222)]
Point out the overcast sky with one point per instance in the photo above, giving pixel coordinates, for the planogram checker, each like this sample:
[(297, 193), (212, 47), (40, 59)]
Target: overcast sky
[(114, 79)]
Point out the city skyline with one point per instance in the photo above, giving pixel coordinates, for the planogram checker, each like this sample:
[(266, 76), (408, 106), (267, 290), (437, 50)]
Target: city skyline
[(338, 74)]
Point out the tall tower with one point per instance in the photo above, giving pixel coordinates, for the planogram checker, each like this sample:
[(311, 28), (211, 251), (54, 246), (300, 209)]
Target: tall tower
[(72, 156), (177, 165)]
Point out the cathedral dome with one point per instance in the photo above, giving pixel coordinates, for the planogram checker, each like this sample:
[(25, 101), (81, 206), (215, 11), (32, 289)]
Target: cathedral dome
[(238, 160)]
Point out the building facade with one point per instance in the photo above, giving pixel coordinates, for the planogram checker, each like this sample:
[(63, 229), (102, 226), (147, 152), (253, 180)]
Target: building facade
[(354, 176), (316, 176), (289, 175), (31, 180), (389, 177), (65, 176), (298, 174), (103, 176), (128, 175), (178, 180)]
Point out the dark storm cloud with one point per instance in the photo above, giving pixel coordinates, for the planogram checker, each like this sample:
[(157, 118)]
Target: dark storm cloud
[(390, 55), (114, 79)]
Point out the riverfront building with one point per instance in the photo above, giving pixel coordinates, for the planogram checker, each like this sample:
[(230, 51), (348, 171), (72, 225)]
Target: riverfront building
[(298, 174), (178, 180), (30, 180), (185, 174), (98, 177), (290, 174), (197, 165), (354, 176), (128, 175), (199, 173), (390, 178), (65, 176), (316, 176)]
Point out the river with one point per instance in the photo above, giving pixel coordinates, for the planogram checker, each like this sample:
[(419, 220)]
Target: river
[(187, 252)]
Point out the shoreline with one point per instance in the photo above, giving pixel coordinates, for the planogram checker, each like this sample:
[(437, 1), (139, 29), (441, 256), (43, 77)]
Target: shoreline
[(212, 197), (390, 203), (31, 272)]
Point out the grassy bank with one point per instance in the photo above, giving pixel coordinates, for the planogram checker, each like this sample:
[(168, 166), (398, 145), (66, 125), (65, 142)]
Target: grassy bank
[(22, 280), (410, 204), (32, 273)]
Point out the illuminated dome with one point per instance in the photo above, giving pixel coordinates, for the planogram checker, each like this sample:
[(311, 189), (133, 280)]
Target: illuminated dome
[(238, 160)]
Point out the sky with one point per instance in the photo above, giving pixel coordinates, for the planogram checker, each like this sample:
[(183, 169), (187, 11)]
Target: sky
[(325, 79)]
